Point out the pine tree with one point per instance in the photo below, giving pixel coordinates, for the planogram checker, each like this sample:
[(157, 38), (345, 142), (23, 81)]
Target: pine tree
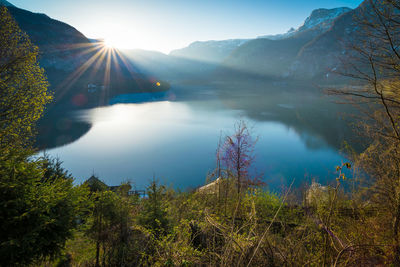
[(154, 214), (39, 208)]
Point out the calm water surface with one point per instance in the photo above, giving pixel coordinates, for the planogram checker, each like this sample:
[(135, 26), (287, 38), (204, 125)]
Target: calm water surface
[(176, 142)]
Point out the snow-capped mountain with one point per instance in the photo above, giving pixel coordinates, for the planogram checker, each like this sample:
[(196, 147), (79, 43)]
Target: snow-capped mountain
[(307, 52), (320, 20), (327, 51), (323, 18), (208, 51), (280, 36), (270, 54)]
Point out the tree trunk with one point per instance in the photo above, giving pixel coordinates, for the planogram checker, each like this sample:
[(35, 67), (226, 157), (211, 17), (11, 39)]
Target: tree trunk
[(98, 242), (396, 234)]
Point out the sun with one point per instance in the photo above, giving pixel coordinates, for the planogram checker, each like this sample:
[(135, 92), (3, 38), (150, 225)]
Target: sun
[(109, 44)]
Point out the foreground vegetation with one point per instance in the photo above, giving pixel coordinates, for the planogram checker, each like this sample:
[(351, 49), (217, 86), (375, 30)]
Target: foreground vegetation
[(224, 228), (46, 220)]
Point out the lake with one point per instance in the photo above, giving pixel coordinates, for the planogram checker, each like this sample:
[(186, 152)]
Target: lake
[(175, 141)]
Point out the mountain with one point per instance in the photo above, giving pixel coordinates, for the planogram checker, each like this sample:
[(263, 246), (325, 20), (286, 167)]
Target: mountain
[(215, 52), (321, 19), (274, 56), (326, 52), (193, 63), (58, 42), (208, 51), (264, 57), (174, 69), (82, 73), (73, 63), (279, 36)]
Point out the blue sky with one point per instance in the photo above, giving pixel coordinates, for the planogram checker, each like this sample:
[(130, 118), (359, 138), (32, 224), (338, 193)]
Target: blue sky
[(164, 25)]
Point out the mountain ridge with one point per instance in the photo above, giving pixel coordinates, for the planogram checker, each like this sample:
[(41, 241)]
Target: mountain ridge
[(72, 61), (270, 56), (212, 51), (322, 18), (314, 59), (327, 51)]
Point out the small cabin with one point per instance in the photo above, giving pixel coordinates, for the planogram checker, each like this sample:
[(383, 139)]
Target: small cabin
[(211, 188), (317, 194)]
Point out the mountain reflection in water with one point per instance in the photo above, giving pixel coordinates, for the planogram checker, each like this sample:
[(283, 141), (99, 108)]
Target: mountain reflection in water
[(300, 133)]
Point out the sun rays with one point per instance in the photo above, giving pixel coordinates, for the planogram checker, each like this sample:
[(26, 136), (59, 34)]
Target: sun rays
[(96, 64)]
